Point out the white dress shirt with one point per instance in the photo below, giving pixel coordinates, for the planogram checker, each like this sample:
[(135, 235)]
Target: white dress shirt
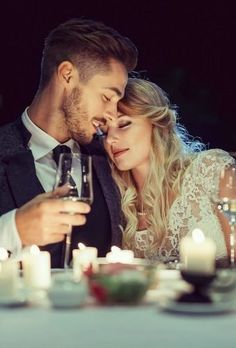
[(41, 144)]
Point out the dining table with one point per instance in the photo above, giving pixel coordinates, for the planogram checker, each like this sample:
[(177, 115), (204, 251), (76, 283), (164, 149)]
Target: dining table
[(46, 318), (114, 326)]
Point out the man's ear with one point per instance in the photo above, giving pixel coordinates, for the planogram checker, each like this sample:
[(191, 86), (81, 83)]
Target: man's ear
[(65, 72)]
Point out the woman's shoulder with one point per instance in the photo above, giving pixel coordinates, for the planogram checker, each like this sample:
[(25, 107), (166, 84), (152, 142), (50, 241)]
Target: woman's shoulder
[(205, 168), (214, 158)]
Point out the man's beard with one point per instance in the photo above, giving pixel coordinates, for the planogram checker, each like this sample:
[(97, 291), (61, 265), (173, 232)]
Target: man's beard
[(76, 117)]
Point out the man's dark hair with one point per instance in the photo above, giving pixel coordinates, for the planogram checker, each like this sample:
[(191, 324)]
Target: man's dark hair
[(87, 44)]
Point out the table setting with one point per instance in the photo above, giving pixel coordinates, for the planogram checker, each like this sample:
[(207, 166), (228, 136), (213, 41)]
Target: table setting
[(135, 292), (120, 278), (139, 297), (73, 286), (194, 286)]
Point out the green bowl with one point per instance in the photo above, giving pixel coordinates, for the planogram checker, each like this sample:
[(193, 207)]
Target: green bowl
[(125, 285)]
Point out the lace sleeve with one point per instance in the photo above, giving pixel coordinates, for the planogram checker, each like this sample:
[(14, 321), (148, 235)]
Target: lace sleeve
[(206, 169), (194, 206)]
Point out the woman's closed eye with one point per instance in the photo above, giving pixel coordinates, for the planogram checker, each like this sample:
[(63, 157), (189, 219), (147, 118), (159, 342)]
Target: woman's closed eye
[(124, 124), (106, 99)]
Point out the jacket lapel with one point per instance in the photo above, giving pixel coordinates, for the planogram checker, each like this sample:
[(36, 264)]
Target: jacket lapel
[(21, 175), (111, 195), (19, 165)]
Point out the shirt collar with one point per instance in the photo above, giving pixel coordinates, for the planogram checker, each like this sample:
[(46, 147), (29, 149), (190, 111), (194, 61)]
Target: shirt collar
[(40, 142)]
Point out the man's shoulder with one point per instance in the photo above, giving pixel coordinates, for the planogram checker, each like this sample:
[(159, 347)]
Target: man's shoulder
[(7, 133), (7, 128), (10, 137)]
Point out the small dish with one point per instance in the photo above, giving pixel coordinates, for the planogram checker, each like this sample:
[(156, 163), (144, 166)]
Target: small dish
[(173, 306), (19, 300), (66, 293)]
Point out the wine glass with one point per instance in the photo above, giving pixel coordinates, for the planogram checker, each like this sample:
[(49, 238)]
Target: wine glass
[(227, 203), (74, 182)]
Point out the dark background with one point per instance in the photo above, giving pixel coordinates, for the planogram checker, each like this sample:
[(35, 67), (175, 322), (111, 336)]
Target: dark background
[(184, 46)]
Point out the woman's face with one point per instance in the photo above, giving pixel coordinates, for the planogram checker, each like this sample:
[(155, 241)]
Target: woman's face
[(128, 142)]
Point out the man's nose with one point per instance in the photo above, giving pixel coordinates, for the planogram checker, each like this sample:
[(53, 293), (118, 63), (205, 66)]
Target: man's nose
[(111, 112)]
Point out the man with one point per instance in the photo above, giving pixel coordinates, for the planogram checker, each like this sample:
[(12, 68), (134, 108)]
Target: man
[(83, 76)]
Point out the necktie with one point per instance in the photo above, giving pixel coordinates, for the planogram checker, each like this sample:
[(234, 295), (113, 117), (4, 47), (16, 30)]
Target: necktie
[(58, 150)]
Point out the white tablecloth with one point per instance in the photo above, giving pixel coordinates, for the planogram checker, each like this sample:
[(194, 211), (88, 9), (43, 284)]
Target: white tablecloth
[(114, 327)]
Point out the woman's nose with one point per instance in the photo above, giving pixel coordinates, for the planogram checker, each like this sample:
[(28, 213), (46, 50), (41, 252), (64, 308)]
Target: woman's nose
[(112, 136)]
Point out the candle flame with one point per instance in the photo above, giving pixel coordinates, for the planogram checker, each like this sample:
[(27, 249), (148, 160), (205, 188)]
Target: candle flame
[(3, 254), (115, 249), (34, 250), (81, 246), (198, 236)]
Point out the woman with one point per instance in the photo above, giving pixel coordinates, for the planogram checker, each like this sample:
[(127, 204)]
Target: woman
[(168, 181)]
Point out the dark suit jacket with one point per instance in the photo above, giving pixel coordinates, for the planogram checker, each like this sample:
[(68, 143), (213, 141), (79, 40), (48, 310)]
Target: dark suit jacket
[(19, 184)]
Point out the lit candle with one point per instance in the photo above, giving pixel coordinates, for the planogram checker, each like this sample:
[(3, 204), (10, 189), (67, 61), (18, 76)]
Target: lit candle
[(121, 256), (37, 268), (84, 258), (8, 275), (197, 253)]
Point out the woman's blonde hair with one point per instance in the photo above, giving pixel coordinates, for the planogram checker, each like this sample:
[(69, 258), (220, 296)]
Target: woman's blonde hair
[(171, 153)]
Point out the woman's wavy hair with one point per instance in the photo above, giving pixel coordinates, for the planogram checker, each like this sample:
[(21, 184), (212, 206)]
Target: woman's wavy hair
[(171, 153)]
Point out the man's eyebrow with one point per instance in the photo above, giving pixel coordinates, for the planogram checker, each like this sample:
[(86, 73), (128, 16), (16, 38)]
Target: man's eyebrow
[(116, 90)]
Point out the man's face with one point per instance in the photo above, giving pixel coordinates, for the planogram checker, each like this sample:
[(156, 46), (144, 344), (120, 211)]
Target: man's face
[(91, 104)]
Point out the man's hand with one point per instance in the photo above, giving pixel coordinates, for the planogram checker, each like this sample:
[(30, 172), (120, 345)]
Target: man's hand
[(46, 219)]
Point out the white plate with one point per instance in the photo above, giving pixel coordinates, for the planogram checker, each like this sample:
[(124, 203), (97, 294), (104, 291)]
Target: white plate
[(197, 308)]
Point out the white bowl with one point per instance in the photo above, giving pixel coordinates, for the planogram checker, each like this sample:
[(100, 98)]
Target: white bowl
[(66, 293)]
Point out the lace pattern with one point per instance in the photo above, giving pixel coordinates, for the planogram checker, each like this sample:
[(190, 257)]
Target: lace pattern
[(194, 207)]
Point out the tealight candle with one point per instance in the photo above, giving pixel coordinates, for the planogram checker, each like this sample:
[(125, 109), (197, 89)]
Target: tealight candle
[(37, 268), (197, 253), (8, 275), (83, 258), (121, 256)]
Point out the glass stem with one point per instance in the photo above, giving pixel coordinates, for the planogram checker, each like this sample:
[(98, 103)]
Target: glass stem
[(232, 243), (67, 251)]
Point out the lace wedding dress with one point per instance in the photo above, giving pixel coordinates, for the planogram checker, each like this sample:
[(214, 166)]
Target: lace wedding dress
[(193, 208)]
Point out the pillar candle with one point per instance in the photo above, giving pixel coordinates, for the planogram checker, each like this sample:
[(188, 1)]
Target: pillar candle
[(37, 268), (118, 255), (83, 258), (197, 253), (8, 275)]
